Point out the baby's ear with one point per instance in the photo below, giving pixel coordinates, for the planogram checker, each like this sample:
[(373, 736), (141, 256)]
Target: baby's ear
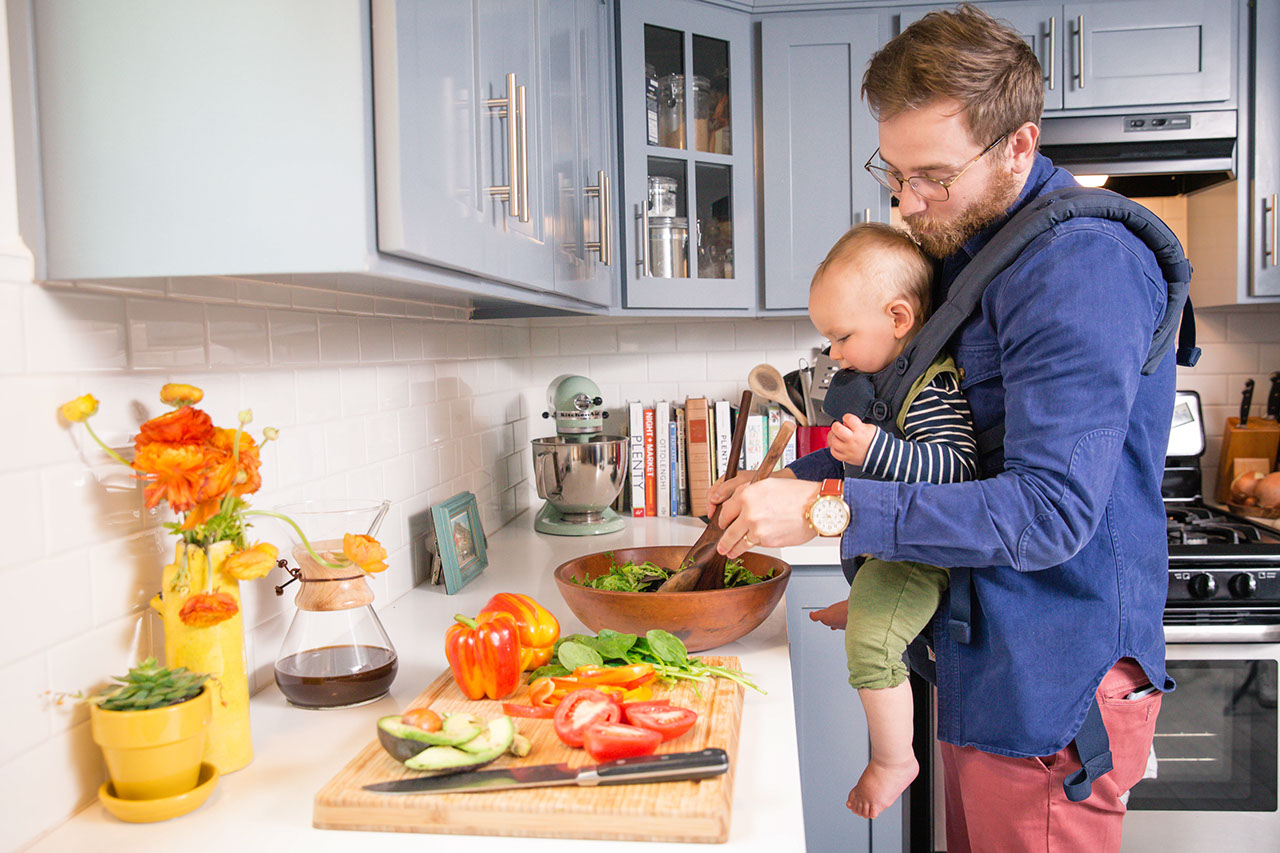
[(903, 316)]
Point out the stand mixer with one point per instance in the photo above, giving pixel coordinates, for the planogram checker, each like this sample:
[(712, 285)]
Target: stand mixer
[(580, 470)]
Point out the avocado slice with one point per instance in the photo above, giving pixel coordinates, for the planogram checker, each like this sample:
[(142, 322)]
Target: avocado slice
[(495, 741), (405, 741)]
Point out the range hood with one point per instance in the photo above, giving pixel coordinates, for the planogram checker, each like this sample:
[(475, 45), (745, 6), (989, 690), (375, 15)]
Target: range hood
[(1170, 151)]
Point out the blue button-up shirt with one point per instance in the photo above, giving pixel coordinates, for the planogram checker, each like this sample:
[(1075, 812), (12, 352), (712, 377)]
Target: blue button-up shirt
[(1067, 542)]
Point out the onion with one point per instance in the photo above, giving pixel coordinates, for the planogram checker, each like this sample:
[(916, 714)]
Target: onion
[(1245, 485), (1267, 490)]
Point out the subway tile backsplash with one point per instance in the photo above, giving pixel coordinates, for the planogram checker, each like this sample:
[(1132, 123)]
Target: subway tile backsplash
[(373, 397)]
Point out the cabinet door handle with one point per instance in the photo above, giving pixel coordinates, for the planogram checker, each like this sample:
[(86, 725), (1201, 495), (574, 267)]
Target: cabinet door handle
[(642, 257), (1080, 50), (506, 108), (524, 155), (1053, 52), (866, 214), (604, 246), (1269, 210)]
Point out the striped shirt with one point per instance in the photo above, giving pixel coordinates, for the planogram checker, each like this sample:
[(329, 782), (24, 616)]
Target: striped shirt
[(938, 444)]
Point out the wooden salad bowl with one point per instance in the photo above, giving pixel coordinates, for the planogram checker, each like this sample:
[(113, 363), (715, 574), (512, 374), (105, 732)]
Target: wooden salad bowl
[(702, 619)]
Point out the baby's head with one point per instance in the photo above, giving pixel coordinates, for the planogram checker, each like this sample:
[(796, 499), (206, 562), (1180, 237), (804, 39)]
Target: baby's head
[(870, 295)]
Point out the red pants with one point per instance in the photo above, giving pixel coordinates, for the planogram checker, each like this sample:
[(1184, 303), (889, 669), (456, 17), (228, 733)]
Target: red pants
[(1002, 804)]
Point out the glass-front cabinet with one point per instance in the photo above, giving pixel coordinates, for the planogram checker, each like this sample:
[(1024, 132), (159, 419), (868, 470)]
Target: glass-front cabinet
[(688, 201)]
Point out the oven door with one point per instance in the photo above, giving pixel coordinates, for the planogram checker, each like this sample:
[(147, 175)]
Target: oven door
[(1216, 740)]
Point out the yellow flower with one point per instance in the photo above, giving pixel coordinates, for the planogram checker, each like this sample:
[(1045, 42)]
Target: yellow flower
[(252, 563), (176, 394), (364, 551), (80, 409)]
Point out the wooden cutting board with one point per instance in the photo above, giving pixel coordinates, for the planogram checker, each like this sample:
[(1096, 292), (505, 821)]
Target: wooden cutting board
[(665, 811)]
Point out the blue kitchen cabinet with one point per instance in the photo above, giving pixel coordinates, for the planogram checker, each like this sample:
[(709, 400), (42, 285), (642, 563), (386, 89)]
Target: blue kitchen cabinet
[(434, 149), (831, 729), (1264, 217), (817, 134), (578, 134), (1125, 52), (687, 122)]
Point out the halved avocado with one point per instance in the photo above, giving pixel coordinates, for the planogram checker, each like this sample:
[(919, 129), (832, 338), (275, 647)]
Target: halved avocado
[(477, 752), (404, 741)]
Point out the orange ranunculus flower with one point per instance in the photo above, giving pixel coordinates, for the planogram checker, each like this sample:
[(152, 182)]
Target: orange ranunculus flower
[(172, 473), (187, 425), (80, 409), (364, 551), (206, 609), (202, 512), (252, 563), (239, 474), (177, 394)]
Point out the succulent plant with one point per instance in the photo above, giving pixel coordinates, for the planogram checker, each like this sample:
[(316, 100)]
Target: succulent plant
[(149, 685)]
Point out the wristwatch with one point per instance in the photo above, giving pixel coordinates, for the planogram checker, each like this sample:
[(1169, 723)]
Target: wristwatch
[(829, 514)]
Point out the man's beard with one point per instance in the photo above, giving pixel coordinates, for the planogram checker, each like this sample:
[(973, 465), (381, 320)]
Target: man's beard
[(941, 238)]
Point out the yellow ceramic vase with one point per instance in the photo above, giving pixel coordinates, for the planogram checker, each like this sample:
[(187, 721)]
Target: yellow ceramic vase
[(155, 753), (217, 650)]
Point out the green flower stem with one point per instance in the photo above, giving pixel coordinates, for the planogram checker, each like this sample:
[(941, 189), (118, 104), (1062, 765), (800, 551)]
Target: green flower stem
[(102, 444), (306, 542)]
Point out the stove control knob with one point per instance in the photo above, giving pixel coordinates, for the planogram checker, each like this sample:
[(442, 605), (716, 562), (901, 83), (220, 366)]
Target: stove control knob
[(1202, 586), (1243, 585)]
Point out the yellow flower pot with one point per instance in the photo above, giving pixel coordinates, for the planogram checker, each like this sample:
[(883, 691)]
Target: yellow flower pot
[(217, 650), (155, 753)]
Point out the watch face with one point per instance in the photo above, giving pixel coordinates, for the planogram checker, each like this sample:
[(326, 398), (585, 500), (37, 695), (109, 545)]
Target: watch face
[(829, 515)]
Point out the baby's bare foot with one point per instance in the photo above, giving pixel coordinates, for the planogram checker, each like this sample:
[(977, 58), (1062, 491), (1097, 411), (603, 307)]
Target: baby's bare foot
[(880, 786)]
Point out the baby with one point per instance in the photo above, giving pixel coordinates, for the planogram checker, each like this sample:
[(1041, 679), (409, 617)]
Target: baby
[(869, 297)]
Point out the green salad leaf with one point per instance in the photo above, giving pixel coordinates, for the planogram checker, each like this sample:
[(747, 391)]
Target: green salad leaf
[(648, 576)]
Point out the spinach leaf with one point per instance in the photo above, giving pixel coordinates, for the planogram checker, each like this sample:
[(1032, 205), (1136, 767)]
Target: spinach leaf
[(551, 670), (611, 644), (667, 647), (573, 655)]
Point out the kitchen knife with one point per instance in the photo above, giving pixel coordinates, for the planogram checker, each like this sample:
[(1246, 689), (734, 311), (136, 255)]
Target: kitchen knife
[(1273, 399), (1246, 400), (668, 767)]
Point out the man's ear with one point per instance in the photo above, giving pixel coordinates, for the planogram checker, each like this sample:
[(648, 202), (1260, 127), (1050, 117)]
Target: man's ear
[(903, 316), (1022, 147)]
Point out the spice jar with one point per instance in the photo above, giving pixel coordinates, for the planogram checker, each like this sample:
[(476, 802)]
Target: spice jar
[(671, 111)]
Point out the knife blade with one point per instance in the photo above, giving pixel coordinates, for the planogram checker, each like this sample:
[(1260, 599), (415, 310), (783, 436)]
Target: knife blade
[(1246, 400), (668, 767)]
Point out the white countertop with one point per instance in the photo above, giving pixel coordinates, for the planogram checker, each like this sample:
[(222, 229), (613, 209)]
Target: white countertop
[(267, 805)]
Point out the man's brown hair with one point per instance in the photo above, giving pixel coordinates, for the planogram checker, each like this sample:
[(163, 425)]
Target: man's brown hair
[(889, 261), (963, 55)]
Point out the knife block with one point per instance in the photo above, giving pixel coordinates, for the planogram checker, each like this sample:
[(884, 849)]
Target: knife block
[(1257, 439)]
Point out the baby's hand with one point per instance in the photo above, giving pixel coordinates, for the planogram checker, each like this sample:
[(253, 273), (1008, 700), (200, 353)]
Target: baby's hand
[(850, 439), (834, 616)]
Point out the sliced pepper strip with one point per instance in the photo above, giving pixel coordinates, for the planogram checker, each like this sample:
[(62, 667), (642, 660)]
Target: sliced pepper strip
[(513, 709), (589, 674)]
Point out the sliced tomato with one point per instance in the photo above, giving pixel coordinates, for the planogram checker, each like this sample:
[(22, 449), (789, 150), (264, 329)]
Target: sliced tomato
[(669, 721), (512, 709), (607, 741), (582, 709)]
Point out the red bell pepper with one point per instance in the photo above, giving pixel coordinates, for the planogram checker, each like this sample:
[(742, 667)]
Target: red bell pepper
[(484, 654), (539, 630)]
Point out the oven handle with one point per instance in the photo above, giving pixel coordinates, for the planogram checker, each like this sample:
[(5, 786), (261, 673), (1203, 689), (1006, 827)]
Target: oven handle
[(1222, 633)]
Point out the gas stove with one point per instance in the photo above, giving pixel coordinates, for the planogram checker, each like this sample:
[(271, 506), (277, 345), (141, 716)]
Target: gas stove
[(1224, 569)]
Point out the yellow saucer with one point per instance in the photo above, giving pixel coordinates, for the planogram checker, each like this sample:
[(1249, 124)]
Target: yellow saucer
[(149, 811)]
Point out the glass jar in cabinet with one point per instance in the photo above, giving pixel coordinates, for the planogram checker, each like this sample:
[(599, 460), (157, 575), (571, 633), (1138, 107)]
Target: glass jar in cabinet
[(689, 177)]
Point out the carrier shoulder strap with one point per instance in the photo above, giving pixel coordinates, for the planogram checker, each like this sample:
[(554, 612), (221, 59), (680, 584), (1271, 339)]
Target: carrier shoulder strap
[(1042, 214)]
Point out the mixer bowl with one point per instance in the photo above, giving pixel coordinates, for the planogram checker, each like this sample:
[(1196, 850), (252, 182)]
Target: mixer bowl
[(580, 477)]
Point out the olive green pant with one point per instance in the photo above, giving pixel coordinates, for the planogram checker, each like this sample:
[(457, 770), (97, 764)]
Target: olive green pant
[(889, 604)]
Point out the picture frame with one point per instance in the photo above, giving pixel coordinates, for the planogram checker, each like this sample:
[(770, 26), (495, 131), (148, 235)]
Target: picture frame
[(457, 542)]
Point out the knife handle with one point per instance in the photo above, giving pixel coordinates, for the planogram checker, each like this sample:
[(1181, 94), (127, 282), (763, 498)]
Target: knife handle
[(658, 768)]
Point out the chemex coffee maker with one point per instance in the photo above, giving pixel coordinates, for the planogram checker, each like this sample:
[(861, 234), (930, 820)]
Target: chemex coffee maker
[(580, 470)]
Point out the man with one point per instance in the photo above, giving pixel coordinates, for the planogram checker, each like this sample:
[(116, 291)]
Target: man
[(1065, 532)]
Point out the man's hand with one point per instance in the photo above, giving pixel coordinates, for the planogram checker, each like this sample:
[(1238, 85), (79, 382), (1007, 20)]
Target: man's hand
[(769, 513), (850, 439)]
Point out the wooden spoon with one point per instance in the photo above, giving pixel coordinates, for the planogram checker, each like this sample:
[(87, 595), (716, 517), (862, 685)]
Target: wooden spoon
[(684, 580), (703, 556), (765, 380)]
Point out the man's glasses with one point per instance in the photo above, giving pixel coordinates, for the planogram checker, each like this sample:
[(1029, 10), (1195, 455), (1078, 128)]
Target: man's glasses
[(929, 189)]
